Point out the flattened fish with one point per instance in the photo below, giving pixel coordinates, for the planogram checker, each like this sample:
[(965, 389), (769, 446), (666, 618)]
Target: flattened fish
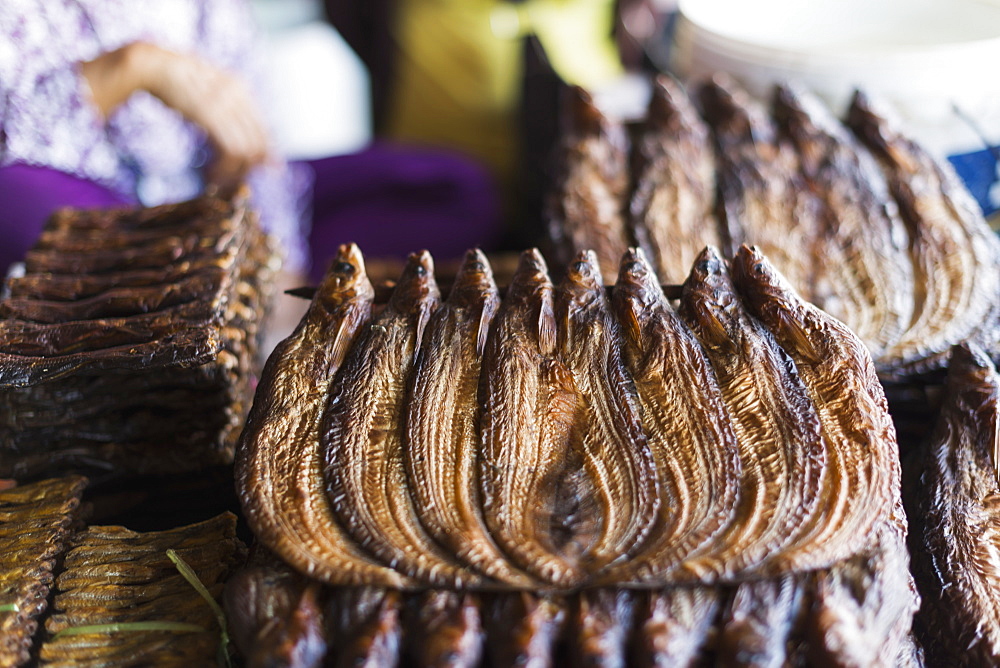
[(587, 210), (608, 431), (445, 629), (954, 251), (762, 196), (864, 250), (958, 560), (672, 209), (522, 629), (366, 628), (279, 475), (442, 452), (529, 405), (362, 432), (781, 451), (673, 625), (685, 420), (759, 621), (599, 627), (860, 440)]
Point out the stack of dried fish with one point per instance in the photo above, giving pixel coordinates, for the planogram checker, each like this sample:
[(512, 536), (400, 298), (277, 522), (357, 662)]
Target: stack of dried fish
[(129, 341), (733, 454), (862, 220), (122, 600), (36, 521), (956, 510)]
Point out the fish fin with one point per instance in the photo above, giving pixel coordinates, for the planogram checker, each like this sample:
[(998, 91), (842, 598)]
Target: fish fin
[(483, 329), (341, 342), (546, 328)]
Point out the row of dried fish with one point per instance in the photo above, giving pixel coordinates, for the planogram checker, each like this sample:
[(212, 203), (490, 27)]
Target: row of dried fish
[(128, 342), (860, 218), (557, 438), (856, 614)]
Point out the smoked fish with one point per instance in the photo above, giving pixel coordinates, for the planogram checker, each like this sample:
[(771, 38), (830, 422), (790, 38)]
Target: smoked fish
[(760, 622), (279, 474), (366, 627), (445, 629), (673, 625), (363, 435), (600, 622), (523, 629)]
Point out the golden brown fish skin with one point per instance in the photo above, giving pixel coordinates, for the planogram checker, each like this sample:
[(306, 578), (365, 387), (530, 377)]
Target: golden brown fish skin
[(758, 622), (957, 560), (862, 608), (608, 432), (522, 629), (874, 276), (763, 199), (442, 453), (673, 625), (367, 629), (363, 436), (599, 625), (528, 409), (954, 251), (685, 420), (777, 428), (672, 211), (279, 474), (587, 211), (860, 439), (446, 629)]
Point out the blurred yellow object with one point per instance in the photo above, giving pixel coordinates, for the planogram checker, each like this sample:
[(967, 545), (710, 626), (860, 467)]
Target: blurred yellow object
[(458, 78)]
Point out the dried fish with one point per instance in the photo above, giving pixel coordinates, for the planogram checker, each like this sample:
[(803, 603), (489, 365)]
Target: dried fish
[(607, 432), (781, 451), (758, 623), (672, 209), (953, 250), (279, 472), (864, 249), (367, 628), (523, 628), (685, 420), (599, 626), (362, 433), (446, 629), (442, 453), (673, 626), (528, 409)]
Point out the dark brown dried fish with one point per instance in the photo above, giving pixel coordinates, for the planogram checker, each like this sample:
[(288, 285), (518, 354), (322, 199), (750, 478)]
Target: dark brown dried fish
[(957, 560), (528, 409), (363, 429), (758, 623), (762, 197), (523, 628), (442, 453), (864, 249), (672, 209), (366, 627), (587, 211), (782, 453), (607, 432), (953, 250), (673, 625), (445, 629), (858, 434), (599, 625), (685, 420), (279, 473)]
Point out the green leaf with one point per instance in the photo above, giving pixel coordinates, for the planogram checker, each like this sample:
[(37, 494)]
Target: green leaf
[(120, 627), (220, 617)]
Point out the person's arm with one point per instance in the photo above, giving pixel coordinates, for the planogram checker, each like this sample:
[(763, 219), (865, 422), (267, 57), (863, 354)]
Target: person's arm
[(206, 95)]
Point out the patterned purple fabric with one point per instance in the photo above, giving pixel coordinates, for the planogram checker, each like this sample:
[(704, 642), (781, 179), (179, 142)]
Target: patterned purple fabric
[(145, 151)]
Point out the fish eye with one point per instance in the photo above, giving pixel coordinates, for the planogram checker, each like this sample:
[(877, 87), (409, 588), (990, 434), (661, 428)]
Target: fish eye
[(344, 267), (420, 270), (634, 266), (759, 268), (580, 266)]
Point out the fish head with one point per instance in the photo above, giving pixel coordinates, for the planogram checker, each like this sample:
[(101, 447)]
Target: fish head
[(474, 281), (709, 302), (416, 286), (345, 279), (876, 123), (808, 121), (582, 117), (637, 294), (583, 284), (530, 293), (736, 116)]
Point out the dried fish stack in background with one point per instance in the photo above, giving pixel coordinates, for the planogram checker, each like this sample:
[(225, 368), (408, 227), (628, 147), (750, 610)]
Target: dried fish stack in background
[(575, 478), (112, 576), (862, 220), (130, 340), (36, 522), (956, 515)]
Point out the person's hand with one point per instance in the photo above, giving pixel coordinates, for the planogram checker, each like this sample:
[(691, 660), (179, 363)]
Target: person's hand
[(210, 97)]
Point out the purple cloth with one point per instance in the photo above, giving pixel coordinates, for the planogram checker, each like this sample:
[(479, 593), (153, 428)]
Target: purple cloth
[(392, 200), (31, 194)]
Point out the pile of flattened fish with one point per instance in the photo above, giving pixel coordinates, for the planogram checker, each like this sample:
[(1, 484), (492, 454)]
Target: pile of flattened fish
[(569, 472), (73, 595), (860, 219), (128, 341)]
